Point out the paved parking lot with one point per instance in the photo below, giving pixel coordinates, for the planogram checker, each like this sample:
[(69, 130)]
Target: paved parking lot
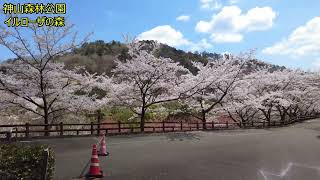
[(289, 153)]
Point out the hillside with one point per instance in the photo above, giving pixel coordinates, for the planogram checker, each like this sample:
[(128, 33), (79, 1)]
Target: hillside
[(99, 56)]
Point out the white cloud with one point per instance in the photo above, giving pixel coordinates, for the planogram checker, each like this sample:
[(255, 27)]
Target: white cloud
[(166, 35), (210, 4), (233, 2), (230, 23), (315, 65), (227, 37), (183, 18), (305, 40), (203, 44)]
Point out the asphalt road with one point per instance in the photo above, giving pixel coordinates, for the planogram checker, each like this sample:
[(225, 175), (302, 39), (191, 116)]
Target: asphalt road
[(289, 153)]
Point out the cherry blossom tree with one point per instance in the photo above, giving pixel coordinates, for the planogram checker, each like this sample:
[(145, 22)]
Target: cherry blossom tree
[(64, 90), (146, 80), (306, 101), (264, 91), (36, 82), (239, 103), (278, 94), (212, 84)]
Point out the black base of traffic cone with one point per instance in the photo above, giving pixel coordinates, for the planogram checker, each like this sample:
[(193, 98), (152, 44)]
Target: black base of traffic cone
[(102, 154), (89, 176)]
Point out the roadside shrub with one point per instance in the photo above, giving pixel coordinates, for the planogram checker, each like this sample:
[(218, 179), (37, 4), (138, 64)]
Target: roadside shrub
[(25, 162), (121, 114)]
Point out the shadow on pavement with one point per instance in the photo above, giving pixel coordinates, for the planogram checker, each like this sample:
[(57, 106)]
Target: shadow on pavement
[(182, 136)]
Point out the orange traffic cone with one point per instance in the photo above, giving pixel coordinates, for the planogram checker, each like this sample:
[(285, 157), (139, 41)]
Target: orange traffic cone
[(103, 147), (94, 171)]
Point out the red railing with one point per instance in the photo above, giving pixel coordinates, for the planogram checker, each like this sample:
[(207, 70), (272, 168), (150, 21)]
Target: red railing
[(64, 129)]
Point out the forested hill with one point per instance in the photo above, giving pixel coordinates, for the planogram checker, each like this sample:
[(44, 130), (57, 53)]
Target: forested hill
[(99, 57)]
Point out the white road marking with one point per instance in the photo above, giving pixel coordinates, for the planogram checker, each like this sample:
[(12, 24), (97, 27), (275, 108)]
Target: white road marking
[(232, 134), (25, 141), (132, 142), (286, 170), (243, 134)]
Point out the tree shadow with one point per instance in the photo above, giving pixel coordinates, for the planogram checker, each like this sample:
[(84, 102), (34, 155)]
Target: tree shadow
[(181, 136)]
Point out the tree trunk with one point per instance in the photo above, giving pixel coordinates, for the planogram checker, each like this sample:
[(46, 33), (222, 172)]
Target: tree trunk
[(46, 122), (267, 115), (282, 114), (99, 117), (142, 120), (292, 113), (234, 120), (45, 104), (243, 120), (204, 124)]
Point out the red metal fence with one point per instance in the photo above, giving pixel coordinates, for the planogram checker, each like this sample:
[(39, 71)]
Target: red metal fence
[(63, 129)]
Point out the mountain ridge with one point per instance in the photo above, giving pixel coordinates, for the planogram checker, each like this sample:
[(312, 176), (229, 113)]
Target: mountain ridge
[(99, 57)]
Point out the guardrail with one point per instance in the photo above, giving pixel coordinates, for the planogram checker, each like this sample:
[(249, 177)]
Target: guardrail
[(64, 129)]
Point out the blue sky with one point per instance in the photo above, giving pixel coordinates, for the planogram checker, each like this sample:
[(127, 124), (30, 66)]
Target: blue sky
[(284, 32)]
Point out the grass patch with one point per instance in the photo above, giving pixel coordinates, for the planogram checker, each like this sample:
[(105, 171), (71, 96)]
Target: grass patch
[(25, 161)]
